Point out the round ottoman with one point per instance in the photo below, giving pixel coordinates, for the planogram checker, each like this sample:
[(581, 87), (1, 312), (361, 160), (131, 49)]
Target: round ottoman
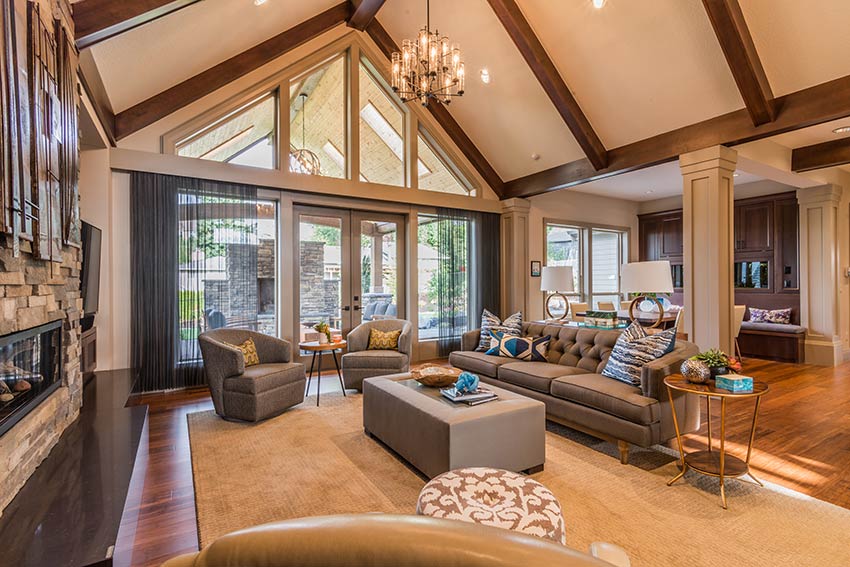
[(494, 497)]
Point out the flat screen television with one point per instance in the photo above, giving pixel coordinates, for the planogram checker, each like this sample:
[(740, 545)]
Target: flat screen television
[(90, 273)]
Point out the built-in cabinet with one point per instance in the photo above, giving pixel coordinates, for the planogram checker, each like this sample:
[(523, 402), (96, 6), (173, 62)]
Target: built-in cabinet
[(766, 239)]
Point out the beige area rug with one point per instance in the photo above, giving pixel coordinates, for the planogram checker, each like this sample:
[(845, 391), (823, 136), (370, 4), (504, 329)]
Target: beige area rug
[(315, 461)]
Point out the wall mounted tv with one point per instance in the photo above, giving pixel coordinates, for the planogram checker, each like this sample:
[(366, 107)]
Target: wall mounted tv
[(90, 274)]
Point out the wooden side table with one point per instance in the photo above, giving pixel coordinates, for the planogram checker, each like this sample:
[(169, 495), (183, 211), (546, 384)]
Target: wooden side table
[(712, 462), (318, 349)]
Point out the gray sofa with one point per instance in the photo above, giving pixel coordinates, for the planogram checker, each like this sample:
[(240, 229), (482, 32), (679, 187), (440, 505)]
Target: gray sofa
[(578, 396), (256, 392), (359, 363)]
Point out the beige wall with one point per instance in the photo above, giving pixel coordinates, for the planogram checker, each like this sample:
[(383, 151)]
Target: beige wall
[(572, 206)]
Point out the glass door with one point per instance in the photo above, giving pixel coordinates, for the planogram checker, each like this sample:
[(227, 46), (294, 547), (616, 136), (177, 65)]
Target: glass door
[(350, 267)]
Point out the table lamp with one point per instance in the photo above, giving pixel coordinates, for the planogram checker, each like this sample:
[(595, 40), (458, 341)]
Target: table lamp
[(646, 279), (557, 280)]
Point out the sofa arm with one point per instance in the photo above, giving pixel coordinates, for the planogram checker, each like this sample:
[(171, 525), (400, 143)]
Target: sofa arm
[(653, 374), (470, 340)]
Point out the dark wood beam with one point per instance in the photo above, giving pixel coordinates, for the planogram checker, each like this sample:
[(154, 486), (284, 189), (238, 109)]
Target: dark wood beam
[(387, 46), (159, 106), (550, 79), (732, 32), (93, 86), (97, 20), (814, 105), (819, 156), (364, 12)]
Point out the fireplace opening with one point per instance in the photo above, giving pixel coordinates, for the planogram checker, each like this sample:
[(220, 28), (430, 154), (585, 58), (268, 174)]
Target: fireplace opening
[(30, 370)]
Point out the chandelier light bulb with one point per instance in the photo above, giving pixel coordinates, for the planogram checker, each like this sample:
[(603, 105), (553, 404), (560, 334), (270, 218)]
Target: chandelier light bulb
[(259, 2), (598, 4)]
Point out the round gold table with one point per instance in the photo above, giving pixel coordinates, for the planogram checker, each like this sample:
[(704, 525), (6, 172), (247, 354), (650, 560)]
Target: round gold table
[(712, 462), (318, 349)]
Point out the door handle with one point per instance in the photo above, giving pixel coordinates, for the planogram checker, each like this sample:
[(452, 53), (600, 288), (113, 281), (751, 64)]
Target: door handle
[(357, 308), (346, 308)]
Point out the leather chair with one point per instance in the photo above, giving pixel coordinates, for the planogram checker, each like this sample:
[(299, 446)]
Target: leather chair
[(381, 540), (359, 363), (256, 392)]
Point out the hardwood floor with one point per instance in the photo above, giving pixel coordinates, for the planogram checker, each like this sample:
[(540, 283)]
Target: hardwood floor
[(802, 443)]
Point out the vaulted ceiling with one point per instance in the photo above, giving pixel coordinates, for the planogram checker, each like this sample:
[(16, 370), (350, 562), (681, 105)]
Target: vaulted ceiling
[(639, 73)]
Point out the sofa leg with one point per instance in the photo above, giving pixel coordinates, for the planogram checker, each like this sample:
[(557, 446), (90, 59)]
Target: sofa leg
[(624, 452)]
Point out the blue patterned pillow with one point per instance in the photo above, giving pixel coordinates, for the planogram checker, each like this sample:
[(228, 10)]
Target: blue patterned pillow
[(522, 348), (630, 354), (490, 324)]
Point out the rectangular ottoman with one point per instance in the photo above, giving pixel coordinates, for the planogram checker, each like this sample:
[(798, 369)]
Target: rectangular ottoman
[(436, 435)]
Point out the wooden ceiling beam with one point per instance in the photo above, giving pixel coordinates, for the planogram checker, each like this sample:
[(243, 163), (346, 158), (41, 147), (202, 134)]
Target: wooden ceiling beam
[(97, 20), (808, 107), (734, 37), (364, 12), (550, 79), (93, 86), (387, 46), (819, 156), (161, 105)]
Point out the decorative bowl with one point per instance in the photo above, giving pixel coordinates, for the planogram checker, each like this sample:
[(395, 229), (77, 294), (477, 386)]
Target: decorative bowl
[(696, 371), (435, 376)]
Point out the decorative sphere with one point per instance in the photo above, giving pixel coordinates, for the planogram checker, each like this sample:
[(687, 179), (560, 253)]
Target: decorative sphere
[(466, 382), (696, 371)]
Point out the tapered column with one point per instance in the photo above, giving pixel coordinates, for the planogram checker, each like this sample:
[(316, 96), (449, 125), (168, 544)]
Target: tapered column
[(819, 273), (708, 197), (514, 231)]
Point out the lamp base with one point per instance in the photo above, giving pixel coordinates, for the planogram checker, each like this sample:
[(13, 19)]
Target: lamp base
[(563, 298), (637, 300)]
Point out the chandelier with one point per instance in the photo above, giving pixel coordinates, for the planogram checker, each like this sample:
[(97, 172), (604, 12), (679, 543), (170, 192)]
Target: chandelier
[(303, 160), (428, 67)]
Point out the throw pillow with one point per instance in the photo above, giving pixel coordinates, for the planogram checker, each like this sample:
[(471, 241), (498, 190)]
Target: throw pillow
[(758, 315), (249, 352), (532, 349), (778, 316), (630, 355), (383, 340), (490, 324)]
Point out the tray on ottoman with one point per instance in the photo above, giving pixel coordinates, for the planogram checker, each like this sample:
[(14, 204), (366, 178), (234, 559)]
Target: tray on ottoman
[(436, 435)]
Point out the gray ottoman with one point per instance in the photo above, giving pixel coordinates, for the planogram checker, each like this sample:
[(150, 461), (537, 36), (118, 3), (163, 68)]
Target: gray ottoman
[(436, 435)]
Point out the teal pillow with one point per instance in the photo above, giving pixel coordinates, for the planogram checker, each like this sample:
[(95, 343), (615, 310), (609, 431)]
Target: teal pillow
[(531, 349)]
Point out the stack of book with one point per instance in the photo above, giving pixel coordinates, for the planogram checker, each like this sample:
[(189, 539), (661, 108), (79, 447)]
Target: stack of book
[(479, 396)]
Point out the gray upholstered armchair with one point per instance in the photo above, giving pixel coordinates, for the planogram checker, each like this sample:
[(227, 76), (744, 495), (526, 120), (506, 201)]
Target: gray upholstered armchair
[(360, 363), (256, 392)]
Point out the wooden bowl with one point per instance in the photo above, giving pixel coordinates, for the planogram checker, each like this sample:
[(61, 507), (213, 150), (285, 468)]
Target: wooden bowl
[(435, 376)]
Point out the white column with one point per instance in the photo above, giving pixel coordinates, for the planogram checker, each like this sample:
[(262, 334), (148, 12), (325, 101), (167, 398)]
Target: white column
[(708, 217), (514, 252), (819, 273)]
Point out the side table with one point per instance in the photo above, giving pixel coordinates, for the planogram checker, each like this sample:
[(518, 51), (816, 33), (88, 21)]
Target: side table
[(318, 349), (712, 462)]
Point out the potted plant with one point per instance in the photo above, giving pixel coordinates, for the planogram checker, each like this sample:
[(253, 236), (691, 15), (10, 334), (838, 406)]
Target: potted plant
[(324, 331), (718, 362)]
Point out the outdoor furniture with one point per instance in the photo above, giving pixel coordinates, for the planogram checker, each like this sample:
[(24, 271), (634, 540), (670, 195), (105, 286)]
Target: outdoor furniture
[(360, 363), (255, 392)]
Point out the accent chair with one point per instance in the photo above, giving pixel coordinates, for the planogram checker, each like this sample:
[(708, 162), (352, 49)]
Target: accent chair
[(255, 392), (359, 363)]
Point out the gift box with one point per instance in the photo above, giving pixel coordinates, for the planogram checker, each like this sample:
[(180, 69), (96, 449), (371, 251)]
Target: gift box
[(734, 382)]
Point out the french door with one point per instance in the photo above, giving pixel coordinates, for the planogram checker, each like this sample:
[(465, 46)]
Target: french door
[(350, 267)]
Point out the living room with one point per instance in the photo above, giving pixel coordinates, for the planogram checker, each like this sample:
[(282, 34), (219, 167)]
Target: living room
[(546, 285)]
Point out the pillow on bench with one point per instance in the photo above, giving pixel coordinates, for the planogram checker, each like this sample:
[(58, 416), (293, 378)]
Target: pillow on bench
[(777, 316)]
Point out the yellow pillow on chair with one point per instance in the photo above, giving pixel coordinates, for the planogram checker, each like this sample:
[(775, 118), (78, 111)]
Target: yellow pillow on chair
[(249, 352), (383, 340)]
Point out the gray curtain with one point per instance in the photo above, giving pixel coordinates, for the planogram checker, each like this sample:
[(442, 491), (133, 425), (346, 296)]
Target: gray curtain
[(467, 272), (194, 245)]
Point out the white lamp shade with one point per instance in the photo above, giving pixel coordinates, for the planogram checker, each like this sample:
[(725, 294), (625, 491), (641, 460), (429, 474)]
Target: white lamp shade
[(646, 277), (557, 278)]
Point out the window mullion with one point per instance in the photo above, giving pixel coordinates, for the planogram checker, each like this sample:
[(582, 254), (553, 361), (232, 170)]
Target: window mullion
[(353, 112)]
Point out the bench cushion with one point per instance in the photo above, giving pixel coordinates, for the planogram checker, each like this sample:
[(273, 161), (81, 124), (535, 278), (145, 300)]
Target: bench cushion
[(773, 328), (610, 396), (535, 375)]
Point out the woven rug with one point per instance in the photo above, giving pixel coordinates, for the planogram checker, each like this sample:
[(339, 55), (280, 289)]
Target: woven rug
[(316, 461)]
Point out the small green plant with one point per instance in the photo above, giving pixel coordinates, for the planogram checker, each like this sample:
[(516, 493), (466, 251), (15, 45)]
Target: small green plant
[(712, 358), (323, 327)]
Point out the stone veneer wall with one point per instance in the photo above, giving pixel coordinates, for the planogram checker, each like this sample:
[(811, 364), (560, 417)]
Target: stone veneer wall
[(32, 293)]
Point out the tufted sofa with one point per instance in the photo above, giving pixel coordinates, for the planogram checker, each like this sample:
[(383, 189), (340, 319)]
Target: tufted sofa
[(578, 396)]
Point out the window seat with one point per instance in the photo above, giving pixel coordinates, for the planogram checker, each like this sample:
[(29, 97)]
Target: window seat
[(772, 341)]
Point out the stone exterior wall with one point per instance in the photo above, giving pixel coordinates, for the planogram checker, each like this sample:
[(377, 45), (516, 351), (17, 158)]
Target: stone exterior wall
[(32, 293), (319, 297)]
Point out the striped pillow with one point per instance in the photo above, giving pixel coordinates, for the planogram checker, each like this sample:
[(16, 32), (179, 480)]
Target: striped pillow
[(632, 352), (511, 326)]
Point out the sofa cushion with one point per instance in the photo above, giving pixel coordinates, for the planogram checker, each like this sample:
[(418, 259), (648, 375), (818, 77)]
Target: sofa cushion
[(534, 375), (523, 348), (511, 326), (629, 356), (478, 362), (609, 396), (262, 377), (378, 359), (772, 327)]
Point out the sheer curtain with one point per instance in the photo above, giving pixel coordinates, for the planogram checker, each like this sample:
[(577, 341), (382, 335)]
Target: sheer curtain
[(195, 246)]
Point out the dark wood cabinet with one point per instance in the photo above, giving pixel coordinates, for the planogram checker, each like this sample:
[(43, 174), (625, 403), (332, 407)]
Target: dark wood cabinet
[(672, 241), (754, 226)]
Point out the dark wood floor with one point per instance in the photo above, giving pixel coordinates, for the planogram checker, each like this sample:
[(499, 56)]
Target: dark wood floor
[(802, 443)]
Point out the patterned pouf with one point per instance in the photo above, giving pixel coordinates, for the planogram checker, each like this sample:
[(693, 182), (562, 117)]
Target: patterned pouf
[(494, 497)]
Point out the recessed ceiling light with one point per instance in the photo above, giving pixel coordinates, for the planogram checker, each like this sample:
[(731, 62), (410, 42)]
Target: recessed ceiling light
[(485, 76), (735, 174), (535, 157), (259, 2), (650, 192), (842, 130), (598, 4)]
